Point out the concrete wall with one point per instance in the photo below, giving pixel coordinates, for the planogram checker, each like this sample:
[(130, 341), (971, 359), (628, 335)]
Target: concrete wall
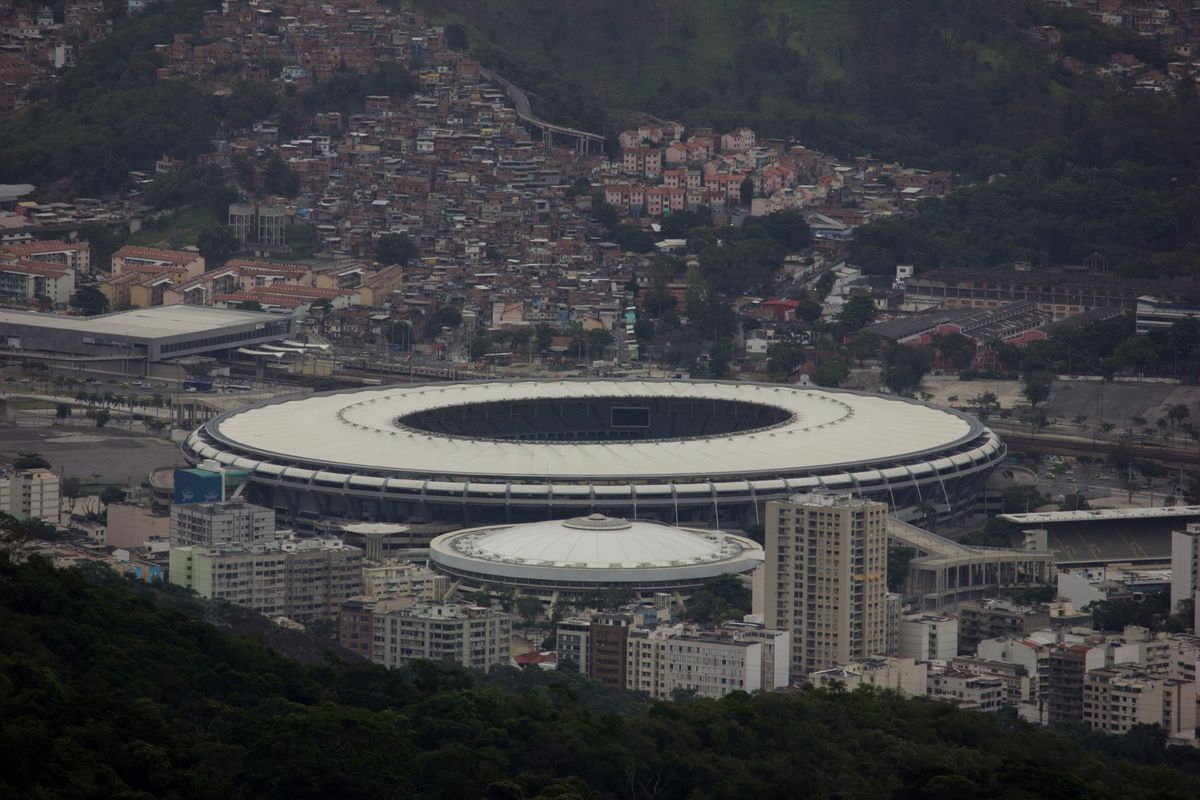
[(131, 526)]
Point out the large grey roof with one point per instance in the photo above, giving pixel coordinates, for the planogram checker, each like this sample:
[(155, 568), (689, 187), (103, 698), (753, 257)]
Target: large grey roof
[(144, 323)]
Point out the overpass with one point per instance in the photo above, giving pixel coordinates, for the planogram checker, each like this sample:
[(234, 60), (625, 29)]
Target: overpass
[(945, 572), (584, 141)]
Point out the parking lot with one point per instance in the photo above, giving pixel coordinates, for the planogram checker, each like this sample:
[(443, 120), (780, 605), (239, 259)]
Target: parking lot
[(114, 456)]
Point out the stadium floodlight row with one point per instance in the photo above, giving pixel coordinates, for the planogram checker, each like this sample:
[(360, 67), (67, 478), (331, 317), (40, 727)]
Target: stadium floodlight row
[(710, 452)]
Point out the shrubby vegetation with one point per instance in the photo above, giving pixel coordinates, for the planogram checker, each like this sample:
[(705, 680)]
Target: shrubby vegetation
[(111, 114)]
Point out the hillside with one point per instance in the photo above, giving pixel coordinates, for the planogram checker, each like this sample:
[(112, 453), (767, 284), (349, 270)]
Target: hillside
[(935, 84), (105, 695)]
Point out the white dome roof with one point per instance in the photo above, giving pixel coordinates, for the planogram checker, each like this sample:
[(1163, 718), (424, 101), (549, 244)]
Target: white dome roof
[(597, 542), (595, 548)]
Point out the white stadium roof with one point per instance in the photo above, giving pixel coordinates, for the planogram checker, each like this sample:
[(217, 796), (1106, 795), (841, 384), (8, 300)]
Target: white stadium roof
[(823, 429), (595, 548)]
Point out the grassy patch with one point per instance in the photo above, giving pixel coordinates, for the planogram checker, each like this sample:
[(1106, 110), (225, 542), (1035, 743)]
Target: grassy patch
[(31, 405), (178, 230)]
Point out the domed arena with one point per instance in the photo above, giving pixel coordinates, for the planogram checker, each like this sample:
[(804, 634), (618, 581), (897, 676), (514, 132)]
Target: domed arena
[(588, 554), (708, 453)]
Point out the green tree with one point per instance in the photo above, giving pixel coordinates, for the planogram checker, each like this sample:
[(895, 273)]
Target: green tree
[(528, 609), (89, 301), (831, 373), (905, 367), (112, 494), (303, 239), (717, 600), (783, 359), (30, 460), (396, 248), (102, 243), (1037, 387), (956, 350), (62, 410), (278, 177), (444, 317), (478, 347), (857, 312), (632, 239), (216, 244), (102, 417)]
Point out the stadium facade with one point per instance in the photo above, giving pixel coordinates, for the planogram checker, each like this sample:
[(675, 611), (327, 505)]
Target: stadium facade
[(707, 453)]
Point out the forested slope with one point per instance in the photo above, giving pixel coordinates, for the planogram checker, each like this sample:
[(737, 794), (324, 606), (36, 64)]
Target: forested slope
[(105, 695)]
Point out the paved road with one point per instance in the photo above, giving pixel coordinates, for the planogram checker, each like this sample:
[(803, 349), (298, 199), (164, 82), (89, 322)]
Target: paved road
[(521, 105)]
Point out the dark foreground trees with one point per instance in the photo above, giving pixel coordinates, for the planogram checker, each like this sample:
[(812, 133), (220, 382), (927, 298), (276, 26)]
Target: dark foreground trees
[(108, 691)]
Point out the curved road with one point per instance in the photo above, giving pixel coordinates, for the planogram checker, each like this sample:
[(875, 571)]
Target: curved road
[(525, 113)]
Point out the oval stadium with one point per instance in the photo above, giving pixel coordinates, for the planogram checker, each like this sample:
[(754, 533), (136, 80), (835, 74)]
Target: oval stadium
[(707, 453)]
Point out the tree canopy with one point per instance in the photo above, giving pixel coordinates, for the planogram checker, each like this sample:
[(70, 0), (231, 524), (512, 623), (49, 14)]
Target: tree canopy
[(110, 689)]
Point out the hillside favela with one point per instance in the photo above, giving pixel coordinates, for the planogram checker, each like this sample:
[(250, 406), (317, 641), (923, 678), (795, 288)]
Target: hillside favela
[(600, 400)]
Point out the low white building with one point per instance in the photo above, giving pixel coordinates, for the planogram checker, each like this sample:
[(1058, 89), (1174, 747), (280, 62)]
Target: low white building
[(903, 675)]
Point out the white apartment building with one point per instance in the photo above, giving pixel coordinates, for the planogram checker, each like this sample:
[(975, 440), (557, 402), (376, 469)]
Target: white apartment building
[(711, 663), (32, 493), (826, 578), (304, 580), (929, 637), (470, 636), (220, 524)]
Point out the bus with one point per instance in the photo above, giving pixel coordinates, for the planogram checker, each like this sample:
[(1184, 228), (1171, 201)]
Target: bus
[(198, 385)]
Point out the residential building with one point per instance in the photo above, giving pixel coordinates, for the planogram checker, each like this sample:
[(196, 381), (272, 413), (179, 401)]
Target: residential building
[(130, 258), (394, 578), (608, 638), (32, 494), (1018, 686), (573, 643), (966, 689), (978, 621), (929, 637), (470, 636), (666, 659), (1185, 569), (356, 626), (1066, 666), (826, 578), (219, 524), (1117, 698), (902, 675), (302, 579)]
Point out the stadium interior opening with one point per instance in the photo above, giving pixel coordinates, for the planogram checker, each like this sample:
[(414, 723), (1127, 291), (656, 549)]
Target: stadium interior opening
[(593, 419)]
